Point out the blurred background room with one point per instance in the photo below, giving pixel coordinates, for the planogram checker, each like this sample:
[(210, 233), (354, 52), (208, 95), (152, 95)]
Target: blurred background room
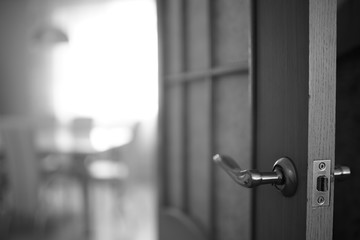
[(78, 112)]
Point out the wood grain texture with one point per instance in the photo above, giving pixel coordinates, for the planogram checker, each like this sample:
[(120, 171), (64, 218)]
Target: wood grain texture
[(232, 137), (322, 92), (282, 63), (295, 110)]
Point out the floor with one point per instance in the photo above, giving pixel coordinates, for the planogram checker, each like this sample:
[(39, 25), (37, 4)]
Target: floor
[(128, 214)]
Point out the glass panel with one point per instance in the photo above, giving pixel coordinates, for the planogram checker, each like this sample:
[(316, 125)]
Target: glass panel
[(232, 137)]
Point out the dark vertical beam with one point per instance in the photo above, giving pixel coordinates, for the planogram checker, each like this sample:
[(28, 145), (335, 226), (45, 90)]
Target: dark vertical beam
[(172, 189), (183, 68), (212, 196), (253, 98), (198, 107), (163, 196)]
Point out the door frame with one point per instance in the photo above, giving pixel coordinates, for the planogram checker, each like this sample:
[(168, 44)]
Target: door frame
[(322, 103)]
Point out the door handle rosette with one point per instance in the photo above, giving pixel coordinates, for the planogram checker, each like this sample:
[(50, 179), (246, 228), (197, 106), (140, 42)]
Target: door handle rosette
[(283, 175)]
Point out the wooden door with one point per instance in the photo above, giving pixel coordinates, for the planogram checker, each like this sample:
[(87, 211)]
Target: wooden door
[(254, 80)]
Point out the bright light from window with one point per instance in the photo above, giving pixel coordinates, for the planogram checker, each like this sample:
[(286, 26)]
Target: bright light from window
[(108, 71), (105, 138)]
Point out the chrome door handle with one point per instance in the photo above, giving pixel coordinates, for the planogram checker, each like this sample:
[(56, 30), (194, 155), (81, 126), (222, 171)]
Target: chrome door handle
[(341, 172), (283, 174)]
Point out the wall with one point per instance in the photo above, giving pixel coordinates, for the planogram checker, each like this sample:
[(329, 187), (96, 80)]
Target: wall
[(23, 79), (24, 57)]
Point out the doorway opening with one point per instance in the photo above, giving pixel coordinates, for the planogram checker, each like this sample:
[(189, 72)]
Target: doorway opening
[(90, 123)]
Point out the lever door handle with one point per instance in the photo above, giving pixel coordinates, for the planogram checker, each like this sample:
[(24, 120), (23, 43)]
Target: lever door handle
[(283, 175)]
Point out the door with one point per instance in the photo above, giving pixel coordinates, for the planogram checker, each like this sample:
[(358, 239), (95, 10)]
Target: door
[(254, 80)]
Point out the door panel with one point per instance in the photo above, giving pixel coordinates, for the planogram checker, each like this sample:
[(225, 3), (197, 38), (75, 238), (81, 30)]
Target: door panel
[(174, 167), (196, 35), (295, 79), (207, 72), (177, 226), (282, 112), (212, 102), (232, 136), (173, 37), (231, 28), (198, 153)]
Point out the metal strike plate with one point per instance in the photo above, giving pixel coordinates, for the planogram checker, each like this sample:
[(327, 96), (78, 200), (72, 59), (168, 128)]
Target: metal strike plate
[(321, 183)]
